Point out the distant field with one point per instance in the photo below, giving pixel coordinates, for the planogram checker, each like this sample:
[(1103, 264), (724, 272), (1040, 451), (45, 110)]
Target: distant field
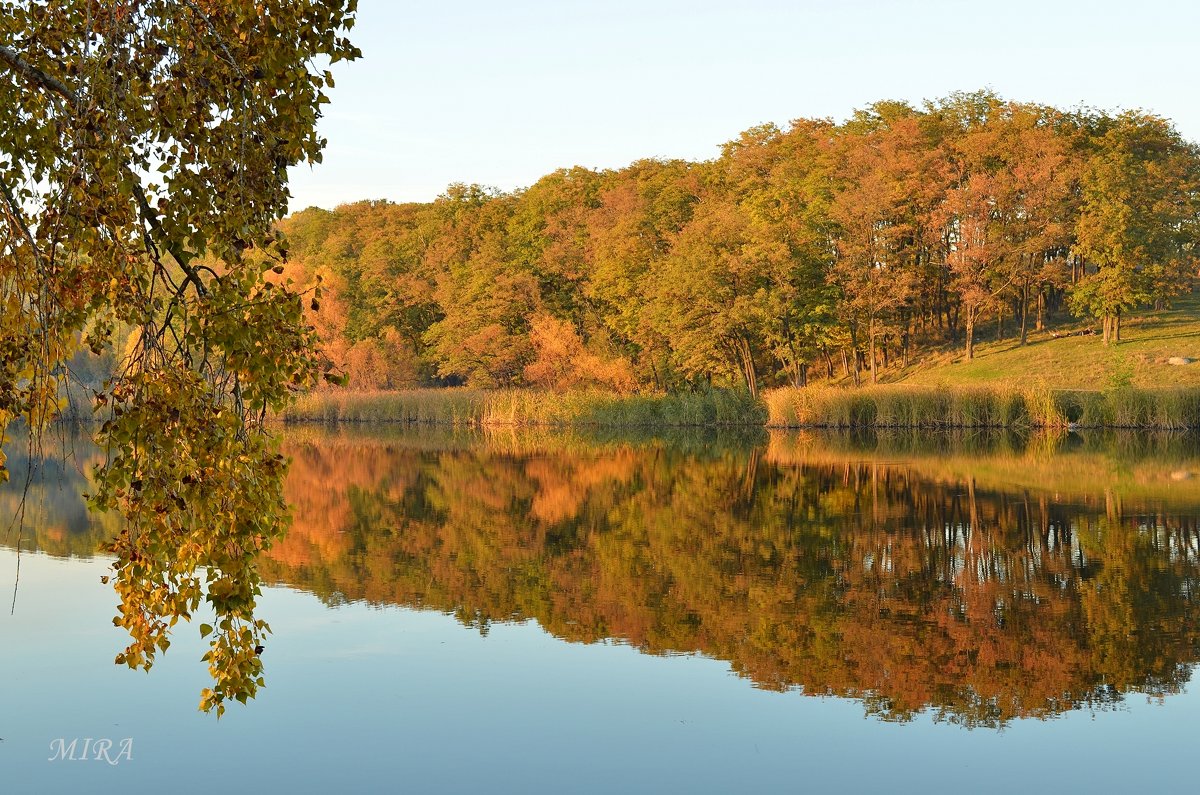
[(1076, 362)]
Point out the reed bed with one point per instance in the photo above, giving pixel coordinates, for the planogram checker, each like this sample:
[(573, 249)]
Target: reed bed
[(467, 407), (413, 407), (1000, 406), (885, 406)]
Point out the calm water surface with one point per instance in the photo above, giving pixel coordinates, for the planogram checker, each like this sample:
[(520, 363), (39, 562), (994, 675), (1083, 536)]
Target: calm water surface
[(552, 613)]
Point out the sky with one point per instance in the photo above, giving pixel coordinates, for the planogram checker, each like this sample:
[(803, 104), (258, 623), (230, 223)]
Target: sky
[(502, 93)]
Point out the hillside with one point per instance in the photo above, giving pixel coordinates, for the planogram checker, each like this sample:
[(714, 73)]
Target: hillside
[(1074, 361)]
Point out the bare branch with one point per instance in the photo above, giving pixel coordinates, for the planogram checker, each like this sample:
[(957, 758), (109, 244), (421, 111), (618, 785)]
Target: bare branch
[(35, 75), (151, 219)]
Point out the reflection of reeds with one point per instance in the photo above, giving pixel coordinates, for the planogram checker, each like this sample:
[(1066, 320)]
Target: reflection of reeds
[(1160, 467), (1001, 406), (467, 407), (531, 439)]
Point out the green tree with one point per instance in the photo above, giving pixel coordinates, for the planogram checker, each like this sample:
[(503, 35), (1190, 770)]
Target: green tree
[(780, 181), (641, 210), (548, 235), (706, 295), (144, 150), (487, 294), (1139, 219)]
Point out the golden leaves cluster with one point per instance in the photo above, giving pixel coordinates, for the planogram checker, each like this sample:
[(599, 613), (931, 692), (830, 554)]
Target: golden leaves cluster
[(144, 150)]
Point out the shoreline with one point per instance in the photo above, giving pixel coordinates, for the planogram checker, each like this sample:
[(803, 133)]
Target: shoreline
[(886, 406)]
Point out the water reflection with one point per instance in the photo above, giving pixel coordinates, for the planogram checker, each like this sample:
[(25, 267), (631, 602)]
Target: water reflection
[(979, 578)]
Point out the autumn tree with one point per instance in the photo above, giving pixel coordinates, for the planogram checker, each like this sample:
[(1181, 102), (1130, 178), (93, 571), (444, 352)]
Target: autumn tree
[(882, 174), (780, 181), (378, 287), (562, 360), (144, 150), (1033, 196), (640, 212), (1007, 211), (705, 295), (1139, 219), (899, 229), (487, 295)]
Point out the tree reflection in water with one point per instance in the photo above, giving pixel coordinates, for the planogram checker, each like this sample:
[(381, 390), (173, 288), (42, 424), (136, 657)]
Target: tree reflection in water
[(981, 579)]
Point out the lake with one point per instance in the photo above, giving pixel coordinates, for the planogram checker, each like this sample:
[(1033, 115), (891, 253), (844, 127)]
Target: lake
[(594, 612)]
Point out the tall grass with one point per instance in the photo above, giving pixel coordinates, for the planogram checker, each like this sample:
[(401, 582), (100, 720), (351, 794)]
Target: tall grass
[(416, 406), (467, 407), (1001, 406), (887, 406)]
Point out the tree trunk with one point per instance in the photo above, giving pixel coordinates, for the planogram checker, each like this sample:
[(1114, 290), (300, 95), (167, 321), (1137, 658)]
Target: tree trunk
[(748, 370), (1117, 327), (970, 333), (854, 354), (871, 331), (797, 366), (1041, 310), (1024, 314)]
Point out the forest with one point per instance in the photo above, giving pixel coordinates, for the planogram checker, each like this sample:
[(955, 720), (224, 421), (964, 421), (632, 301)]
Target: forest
[(819, 251)]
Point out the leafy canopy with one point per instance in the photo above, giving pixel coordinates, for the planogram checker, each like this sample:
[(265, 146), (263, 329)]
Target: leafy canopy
[(144, 149)]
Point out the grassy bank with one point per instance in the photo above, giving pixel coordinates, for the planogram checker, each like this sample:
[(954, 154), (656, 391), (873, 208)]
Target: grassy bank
[(883, 406), (467, 407), (997, 406), (1064, 358)]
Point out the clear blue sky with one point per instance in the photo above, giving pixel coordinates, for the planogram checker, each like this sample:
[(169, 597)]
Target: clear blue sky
[(500, 93)]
